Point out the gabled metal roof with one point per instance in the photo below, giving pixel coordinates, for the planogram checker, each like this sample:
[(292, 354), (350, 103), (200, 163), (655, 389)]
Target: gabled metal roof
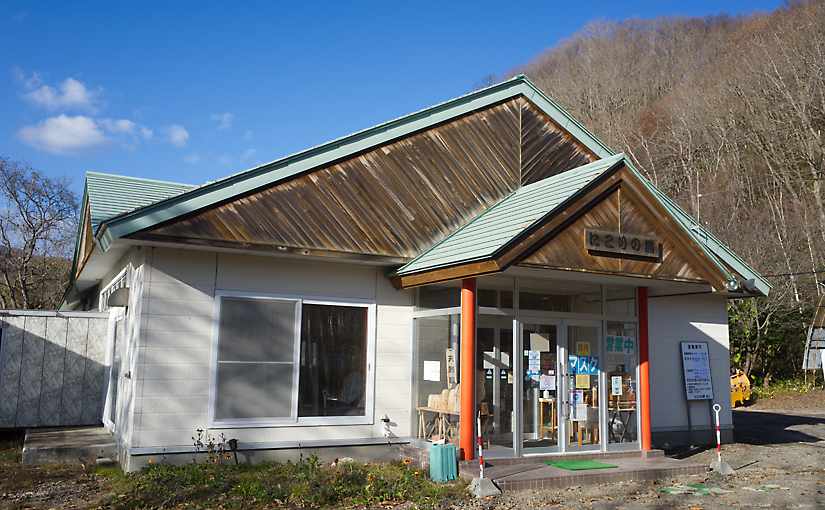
[(282, 169), (489, 234), (496, 227), (120, 205), (112, 195)]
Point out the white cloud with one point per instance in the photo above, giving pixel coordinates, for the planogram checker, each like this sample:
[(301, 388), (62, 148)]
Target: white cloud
[(146, 133), (70, 94), (177, 135), (192, 159), (63, 134), (224, 120), (247, 135), (124, 126)]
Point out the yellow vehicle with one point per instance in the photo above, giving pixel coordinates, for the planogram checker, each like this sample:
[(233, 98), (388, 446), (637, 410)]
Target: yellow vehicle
[(740, 388)]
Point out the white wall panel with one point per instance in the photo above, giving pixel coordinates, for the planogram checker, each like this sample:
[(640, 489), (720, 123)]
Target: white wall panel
[(692, 318), (177, 336)]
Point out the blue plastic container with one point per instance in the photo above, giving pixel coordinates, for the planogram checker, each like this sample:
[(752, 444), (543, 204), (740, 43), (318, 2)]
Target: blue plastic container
[(443, 464)]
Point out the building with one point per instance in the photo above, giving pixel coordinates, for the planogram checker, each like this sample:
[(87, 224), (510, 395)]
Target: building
[(332, 300)]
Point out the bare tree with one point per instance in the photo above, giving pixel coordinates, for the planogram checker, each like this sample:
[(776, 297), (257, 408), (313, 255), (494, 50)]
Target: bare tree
[(726, 115), (37, 228)]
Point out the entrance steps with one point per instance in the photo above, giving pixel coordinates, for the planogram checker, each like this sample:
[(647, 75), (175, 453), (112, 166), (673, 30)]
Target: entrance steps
[(84, 445), (532, 473)]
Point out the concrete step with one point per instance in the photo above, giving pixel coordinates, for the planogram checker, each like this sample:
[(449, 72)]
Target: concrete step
[(533, 473), (82, 445)]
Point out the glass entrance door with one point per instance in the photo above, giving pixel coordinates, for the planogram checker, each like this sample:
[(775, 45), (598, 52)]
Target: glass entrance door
[(582, 386), (540, 388), (495, 394)]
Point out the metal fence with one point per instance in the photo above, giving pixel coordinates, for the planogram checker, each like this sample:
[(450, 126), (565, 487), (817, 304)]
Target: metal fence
[(52, 368)]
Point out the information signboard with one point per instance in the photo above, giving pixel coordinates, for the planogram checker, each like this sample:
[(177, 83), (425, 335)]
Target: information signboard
[(696, 367)]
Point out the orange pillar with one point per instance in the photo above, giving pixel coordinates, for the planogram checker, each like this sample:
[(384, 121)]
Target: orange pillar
[(644, 369), (466, 430)]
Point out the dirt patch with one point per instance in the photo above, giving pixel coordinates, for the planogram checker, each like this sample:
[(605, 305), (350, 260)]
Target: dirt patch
[(775, 476), (791, 401), (779, 458), (69, 486)]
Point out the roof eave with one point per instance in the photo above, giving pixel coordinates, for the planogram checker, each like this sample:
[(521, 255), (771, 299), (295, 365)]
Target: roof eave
[(295, 164)]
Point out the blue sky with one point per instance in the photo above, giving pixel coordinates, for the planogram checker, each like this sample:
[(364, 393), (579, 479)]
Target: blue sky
[(190, 92)]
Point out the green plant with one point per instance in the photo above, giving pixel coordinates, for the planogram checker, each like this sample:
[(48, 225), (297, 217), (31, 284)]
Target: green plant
[(308, 483), (215, 448), (795, 385)]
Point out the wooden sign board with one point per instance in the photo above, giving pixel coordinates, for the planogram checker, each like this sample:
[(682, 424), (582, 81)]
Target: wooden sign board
[(622, 245)]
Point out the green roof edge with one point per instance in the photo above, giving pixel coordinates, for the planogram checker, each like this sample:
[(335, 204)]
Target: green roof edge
[(275, 171), (728, 256), (143, 179), (281, 169)]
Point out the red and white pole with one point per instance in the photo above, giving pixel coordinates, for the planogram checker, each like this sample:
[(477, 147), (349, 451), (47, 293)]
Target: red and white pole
[(716, 409), (480, 448)]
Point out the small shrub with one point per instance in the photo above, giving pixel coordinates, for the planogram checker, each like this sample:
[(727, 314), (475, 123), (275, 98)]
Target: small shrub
[(783, 386)]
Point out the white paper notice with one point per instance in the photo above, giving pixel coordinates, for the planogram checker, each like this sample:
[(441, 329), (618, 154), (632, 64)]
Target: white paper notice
[(696, 366), (534, 361), (547, 382), (432, 370), (616, 385), (581, 412)]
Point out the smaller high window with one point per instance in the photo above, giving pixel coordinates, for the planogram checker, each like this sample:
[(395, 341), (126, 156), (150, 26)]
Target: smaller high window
[(118, 282)]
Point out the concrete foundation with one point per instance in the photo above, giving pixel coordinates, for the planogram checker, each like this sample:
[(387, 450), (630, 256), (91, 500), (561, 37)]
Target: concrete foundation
[(670, 439), (365, 453)]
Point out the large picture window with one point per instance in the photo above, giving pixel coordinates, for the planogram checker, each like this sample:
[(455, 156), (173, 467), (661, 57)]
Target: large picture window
[(291, 360)]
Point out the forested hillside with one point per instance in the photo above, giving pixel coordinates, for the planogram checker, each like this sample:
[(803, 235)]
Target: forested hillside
[(727, 115)]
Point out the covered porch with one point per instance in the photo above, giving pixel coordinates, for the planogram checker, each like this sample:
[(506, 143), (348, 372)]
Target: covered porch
[(545, 299), (560, 362)]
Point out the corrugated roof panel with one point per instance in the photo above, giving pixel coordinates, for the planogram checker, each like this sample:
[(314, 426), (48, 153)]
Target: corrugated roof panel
[(500, 224), (112, 195)]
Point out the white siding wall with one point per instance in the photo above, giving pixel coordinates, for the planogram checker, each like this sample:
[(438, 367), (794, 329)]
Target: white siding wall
[(177, 334), (700, 318), (129, 344)]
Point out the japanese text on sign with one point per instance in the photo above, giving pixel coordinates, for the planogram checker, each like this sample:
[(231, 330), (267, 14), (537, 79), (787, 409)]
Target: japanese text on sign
[(622, 244), (696, 365), (620, 344), (583, 365)]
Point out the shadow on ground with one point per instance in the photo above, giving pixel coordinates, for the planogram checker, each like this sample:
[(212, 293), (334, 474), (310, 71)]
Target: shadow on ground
[(766, 428)]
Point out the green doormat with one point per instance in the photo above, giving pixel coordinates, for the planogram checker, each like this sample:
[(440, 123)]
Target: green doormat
[(579, 465)]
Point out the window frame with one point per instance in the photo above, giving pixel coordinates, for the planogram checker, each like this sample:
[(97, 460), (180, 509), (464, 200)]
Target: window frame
[(294, 420)]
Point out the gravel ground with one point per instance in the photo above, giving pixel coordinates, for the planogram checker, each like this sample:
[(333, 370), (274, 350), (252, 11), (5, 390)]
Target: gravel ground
[(779, 457)]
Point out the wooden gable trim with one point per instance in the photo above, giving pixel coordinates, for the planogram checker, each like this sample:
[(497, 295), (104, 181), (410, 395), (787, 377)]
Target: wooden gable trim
[(550, 226), (86, 240)]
